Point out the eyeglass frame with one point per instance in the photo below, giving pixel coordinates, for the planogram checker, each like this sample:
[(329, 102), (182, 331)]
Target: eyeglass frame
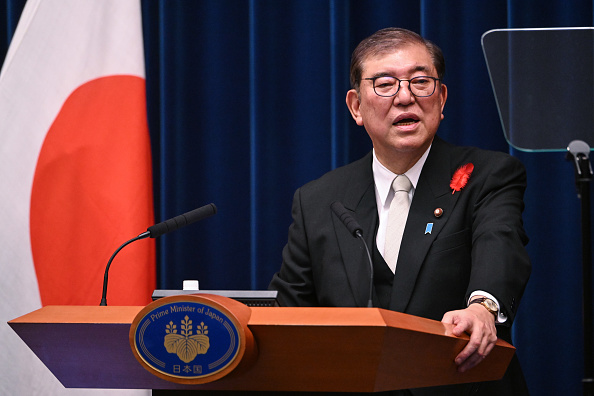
[(435, 80)]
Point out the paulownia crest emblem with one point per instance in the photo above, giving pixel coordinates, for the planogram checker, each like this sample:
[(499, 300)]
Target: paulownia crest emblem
[(186, 345)]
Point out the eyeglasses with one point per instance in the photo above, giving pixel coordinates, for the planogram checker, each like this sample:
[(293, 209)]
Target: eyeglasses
[(420, 86)]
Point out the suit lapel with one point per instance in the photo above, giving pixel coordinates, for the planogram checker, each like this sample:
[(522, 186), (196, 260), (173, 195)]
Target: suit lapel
[(432, 192), (359, 199)]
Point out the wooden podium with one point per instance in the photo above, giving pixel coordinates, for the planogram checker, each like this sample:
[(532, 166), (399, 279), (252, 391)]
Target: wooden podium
[(298, 349)]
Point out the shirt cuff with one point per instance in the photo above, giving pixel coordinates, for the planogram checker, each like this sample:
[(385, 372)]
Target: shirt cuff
[(501, 316)]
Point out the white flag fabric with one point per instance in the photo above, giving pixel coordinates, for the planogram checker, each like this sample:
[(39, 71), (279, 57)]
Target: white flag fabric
[(75, 171)]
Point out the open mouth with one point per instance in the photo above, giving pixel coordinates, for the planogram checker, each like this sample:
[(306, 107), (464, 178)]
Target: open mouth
[(406, 119), (406, 122)]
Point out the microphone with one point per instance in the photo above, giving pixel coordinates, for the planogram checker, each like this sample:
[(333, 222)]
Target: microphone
[(355, 229), (158, 230), (182, 220)]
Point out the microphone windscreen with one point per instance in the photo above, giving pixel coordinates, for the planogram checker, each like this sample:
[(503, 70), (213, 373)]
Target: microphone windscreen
[(346, 218), (182, 220)]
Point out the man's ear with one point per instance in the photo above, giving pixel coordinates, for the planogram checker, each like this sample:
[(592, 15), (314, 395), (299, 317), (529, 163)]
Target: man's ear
[(443, 92), (354, 105)]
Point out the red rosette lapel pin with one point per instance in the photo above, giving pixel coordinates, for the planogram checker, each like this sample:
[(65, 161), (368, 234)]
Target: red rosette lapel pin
[(461, 177)]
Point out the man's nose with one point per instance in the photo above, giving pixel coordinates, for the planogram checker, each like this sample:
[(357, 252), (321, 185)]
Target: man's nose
[(404, 95)]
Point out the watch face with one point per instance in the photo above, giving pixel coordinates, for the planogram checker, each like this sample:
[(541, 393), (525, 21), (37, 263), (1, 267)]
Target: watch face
[(490, 305)]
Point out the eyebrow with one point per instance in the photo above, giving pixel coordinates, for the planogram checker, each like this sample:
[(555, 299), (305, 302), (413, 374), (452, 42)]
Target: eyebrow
[(419, 68)]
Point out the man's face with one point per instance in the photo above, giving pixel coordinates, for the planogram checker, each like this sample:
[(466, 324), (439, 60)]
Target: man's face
[(402, 125)]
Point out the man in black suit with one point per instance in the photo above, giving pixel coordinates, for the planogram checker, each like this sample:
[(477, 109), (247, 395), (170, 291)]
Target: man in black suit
[(462, 257)]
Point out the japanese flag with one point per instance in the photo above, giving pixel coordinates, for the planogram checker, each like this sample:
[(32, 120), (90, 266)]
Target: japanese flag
[(75, 170)]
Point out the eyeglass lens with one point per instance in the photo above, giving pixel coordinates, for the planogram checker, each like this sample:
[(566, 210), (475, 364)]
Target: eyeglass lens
[(419, 86)]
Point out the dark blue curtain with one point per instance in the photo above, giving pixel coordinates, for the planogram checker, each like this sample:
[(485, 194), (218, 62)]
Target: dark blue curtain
[(246, 103)]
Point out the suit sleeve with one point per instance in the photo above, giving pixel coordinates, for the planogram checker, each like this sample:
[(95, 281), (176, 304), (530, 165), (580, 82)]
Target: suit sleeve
[(294, 281), (500, 263)]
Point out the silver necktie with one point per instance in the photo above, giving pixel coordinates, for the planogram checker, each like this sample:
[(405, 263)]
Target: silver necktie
[(396, 220)]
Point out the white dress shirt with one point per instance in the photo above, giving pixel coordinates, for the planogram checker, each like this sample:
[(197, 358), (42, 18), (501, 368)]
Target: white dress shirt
[(383, 178)]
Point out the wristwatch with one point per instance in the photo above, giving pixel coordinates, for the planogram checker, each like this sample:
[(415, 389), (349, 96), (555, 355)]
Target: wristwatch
[(487, 303)]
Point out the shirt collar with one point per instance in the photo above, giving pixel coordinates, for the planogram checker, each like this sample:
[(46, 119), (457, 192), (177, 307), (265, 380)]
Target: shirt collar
[(383, 177)]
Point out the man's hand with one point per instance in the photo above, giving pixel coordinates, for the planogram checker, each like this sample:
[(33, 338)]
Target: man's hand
[(479, 323)]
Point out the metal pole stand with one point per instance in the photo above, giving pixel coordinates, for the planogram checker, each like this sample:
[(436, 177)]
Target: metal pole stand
[(579, 151)]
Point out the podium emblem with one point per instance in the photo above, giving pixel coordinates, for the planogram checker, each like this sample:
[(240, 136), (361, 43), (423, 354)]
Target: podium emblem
[(186, 339), (186, 345)]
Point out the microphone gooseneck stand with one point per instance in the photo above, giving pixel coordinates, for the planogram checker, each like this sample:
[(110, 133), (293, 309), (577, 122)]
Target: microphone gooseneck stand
[(579, 151), (103, 302), (157, 230)]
